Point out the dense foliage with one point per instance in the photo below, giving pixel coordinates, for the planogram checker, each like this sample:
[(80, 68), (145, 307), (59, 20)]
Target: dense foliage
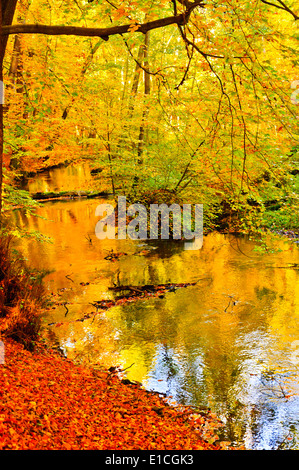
[(22, 297), (176, 100), (207, 110)]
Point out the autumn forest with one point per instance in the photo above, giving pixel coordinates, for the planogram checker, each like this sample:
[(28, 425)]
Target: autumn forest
[(163, 102)]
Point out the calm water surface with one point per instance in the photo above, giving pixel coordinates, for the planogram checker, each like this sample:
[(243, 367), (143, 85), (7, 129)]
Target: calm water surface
[(229, 343), (69, 178)]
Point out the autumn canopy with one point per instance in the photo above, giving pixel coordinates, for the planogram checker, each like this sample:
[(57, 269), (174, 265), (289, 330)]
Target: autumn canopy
[(196, 97), (166, 101)]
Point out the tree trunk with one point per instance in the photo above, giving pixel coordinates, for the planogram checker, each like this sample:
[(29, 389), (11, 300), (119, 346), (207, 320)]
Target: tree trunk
[(136, 78), (1, 111), (83, 71), (14, 65), (7, 14), (142, 136), (7, 10), (147, 89)]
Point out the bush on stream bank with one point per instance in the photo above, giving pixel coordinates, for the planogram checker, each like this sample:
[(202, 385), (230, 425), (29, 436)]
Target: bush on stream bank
[(22, 297)]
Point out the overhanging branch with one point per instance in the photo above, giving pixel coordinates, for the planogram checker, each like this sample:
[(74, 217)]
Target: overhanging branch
[(282, 6), (103, 33)]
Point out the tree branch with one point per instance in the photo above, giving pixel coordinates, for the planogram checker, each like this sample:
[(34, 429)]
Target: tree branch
[(103, 33), (283, 7), (7, 13), (288, 10)]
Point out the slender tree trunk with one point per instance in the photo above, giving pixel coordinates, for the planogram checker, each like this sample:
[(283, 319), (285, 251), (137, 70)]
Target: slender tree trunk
[(83, 71), (142, 128), (147, 90), (136, 78), (7, 10), (1, 111), (109, 152), (147, 77), (13, 70), (110, 165), (123, 140), (7, 14)]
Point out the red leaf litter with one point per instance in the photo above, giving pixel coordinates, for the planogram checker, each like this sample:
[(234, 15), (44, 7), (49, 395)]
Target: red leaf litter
[(48, 402)]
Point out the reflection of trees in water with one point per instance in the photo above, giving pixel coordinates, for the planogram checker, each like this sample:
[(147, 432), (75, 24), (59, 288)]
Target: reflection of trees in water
[(183, 375), (218, 343), (221, 375), (165, 248), (269, 426), (185, 327), (53, 340)]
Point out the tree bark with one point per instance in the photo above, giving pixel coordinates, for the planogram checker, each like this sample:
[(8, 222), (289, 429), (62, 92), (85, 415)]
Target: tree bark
[(147, 90), (136, 80), (7, 10), (1, 111), (142, 136), (103, 33), (7, 14), (13, 71)]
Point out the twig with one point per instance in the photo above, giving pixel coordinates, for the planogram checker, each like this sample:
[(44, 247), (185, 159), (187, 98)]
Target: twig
[(128, 367), (68, 277), (67, 310), (284, 7), (88, 238)]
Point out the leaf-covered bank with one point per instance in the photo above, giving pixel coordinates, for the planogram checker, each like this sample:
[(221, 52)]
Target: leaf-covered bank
[(47, 402), (50, 403)]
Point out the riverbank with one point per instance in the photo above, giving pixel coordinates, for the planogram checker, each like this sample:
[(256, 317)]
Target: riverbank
[(50, 403), (47, 402)]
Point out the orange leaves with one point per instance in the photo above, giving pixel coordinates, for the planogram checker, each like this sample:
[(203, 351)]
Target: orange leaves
[(50, 403), (119, 13), (134, 27)]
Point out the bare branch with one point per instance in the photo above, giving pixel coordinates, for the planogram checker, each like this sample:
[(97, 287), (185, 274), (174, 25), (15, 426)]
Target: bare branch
[(284, 7), (288, 10), (103, 33)]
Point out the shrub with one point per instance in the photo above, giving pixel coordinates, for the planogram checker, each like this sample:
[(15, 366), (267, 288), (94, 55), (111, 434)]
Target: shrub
[(22, 297)]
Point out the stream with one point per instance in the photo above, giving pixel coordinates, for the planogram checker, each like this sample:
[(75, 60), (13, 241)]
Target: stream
[(229, 343)]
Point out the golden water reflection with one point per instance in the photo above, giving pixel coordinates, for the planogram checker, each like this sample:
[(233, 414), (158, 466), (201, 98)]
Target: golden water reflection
[(228, 343)]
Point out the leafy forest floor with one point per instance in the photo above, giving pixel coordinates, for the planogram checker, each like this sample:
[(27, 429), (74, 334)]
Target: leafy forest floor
[(50, 403)]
